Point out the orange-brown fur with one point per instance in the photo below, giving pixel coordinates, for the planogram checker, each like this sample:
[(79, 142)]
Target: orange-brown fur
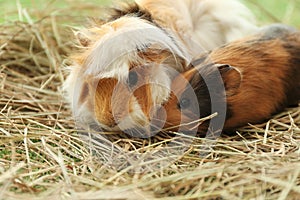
[(252, 104), (269, 67), (103, 106)]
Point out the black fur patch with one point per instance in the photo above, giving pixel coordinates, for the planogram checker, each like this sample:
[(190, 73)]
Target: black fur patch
[(129, 9), (203, 93), (276, 31), (207, 83)]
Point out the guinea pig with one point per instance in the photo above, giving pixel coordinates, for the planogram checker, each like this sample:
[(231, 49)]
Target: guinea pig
[(127, 60), (250, 80)]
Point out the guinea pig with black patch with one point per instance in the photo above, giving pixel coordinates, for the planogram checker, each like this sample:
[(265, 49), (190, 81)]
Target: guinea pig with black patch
[(249, 80)]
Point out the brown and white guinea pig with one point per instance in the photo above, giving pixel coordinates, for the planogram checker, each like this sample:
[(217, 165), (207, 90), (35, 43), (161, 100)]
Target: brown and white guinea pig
[(252, 79), (127, 61)]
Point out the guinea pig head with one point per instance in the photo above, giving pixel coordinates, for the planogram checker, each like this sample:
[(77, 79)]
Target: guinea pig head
[(199, 93), (123, 74), (129, 102)]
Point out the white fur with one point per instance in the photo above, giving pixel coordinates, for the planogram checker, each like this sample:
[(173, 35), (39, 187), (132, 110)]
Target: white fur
[(202, 24), (137, 34), (161, 82)]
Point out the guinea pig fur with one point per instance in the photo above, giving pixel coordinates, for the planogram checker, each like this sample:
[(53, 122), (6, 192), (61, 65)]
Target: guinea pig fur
[(260, 75), (128, 59)]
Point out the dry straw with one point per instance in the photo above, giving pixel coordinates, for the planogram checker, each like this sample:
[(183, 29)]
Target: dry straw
[(42, 156)]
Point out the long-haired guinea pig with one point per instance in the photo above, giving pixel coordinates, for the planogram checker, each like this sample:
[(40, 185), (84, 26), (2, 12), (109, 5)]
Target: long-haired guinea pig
[(251, 79), (127, 61)]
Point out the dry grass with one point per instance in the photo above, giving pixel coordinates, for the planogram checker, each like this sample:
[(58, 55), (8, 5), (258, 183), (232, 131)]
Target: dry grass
[(42, 156)]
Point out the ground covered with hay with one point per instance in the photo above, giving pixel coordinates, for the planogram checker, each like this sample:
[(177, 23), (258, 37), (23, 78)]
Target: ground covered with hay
[(43, 157)]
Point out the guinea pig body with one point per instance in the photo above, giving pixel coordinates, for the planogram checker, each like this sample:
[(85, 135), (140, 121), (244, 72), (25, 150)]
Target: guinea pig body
[(260, 76), (128, 60)]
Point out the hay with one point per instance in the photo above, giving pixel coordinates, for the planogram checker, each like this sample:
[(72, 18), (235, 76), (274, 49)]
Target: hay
[(43, 157)]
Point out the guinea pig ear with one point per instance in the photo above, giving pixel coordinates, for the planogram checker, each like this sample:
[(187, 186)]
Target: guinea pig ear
[(87, 89), (84, 93), (83, 38), (232, 78)]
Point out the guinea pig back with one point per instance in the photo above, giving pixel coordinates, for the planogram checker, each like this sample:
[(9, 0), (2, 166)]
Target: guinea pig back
[(260, 77)]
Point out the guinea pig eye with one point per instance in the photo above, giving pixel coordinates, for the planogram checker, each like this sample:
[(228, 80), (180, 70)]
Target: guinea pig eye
[(184, 103), (132, 79)]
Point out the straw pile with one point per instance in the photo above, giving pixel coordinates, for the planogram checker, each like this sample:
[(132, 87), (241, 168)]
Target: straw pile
[(42, 156)]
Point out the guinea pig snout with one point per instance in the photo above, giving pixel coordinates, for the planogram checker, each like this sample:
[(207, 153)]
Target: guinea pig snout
[(118, 107)]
